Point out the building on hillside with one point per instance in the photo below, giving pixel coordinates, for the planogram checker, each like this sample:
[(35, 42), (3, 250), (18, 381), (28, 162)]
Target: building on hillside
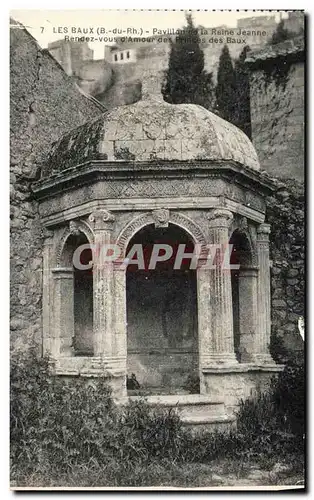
[(76, 58), (116, 80), (295, 22), (70, 54)]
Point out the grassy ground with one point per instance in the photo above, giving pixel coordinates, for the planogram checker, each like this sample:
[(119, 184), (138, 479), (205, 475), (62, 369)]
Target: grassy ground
[(222, 473), (73, 435)]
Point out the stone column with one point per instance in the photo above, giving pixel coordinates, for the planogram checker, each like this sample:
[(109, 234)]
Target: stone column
[(103, 292), (248, 314), (263, 292), (63, 331), (205, 331), (220, 314)]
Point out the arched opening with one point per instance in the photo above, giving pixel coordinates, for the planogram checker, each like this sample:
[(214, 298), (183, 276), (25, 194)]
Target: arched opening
[(79, 318), (243, 293), (162, 339)]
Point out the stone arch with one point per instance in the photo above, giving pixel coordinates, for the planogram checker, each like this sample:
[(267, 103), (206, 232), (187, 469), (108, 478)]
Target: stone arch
[(176, 218), (75, 227), (243, 227), (161, 308)]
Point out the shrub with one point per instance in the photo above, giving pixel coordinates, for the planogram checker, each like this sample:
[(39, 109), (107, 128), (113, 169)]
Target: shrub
[(58, 424), (63, 428), (289, 397), (272, 424), (54, 421)]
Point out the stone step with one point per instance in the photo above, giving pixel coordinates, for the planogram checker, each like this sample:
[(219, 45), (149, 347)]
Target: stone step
[(205, 422), (187, 406)]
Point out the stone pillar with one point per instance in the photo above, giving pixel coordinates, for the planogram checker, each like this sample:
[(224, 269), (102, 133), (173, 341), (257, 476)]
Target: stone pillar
[(119, 361), (63, 332), (205, 332), (263, 292), (103, 292), (219, 302), (248, 314), (120, 319)]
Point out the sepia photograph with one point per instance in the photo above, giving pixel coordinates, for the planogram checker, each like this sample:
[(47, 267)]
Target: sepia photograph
[(157, 250)]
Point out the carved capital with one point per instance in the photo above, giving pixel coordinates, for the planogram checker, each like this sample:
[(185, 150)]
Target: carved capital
[(220, 217), (102, 220), (161, 217), (73, 227), (263, 231)]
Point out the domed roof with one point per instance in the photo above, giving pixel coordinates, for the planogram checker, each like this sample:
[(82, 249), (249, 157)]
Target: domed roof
[(152, 129)]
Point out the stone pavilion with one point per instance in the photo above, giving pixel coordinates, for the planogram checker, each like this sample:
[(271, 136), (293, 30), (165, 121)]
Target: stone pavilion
[(146, 173)]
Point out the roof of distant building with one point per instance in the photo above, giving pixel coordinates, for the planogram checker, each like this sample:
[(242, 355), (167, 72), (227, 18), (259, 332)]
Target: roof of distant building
[(289, 48)]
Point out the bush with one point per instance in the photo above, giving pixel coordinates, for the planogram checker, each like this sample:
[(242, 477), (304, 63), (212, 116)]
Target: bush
[(54, 421), (270, 426), (289, 397), (64, 428), (58, 424)]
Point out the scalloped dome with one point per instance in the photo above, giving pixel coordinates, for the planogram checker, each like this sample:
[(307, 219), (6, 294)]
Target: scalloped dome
[(153, 130)]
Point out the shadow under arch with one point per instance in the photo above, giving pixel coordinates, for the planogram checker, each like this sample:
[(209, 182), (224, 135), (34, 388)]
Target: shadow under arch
[(162, 330), (243, 282), (78, 291)]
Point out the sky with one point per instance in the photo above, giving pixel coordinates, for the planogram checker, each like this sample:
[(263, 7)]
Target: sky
[(44, 24)]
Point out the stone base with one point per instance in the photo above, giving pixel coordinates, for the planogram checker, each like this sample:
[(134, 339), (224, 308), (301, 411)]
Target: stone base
[(197, 412), (218, 359), (237, 382), (111, 368)]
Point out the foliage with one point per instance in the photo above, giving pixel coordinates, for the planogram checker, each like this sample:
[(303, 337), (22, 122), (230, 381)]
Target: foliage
[(186, 80), (281, 34), (289, 397), (57, 425), (233, 90), (226, 86), (242, 114), (72, 433)]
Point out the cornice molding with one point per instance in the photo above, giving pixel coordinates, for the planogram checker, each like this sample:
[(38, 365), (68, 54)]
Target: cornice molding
[(99, 170)]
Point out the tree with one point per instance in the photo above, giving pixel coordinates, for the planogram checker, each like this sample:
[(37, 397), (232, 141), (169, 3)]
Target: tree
[(186, 80), (226, 86), (242, 114), (281, 34)]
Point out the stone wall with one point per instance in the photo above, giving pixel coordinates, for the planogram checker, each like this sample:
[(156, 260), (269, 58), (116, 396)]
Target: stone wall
[(94, 77), (277, 118), (162, 328), (285, 213), (127, 79), (44, 104)]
